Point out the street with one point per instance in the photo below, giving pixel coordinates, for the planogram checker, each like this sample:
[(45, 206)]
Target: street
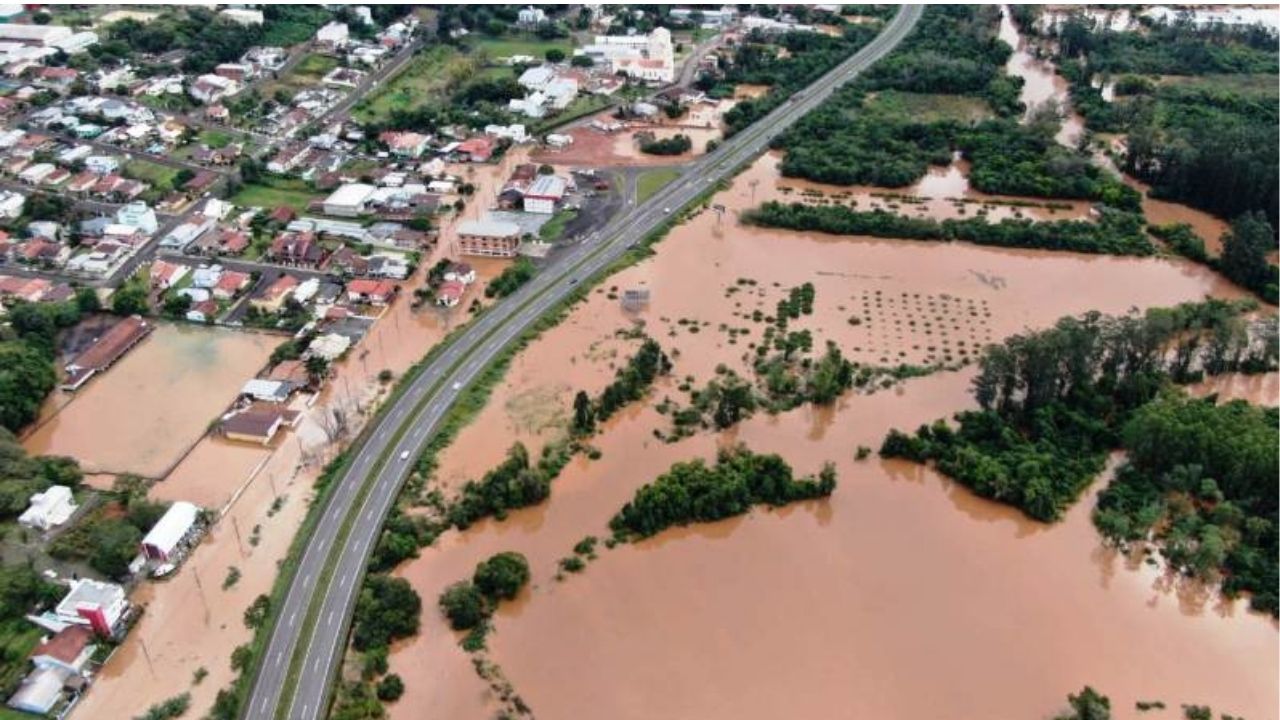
[(304, 649)]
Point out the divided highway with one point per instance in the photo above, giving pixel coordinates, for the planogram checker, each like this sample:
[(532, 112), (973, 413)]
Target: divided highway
[(306, 644)]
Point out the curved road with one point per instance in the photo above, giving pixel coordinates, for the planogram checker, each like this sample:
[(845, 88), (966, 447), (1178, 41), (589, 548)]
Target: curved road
[(309, 636)]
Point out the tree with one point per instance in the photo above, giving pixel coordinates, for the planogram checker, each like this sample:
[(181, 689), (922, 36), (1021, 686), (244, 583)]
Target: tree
[(584, 418), (502, 575), (387, 609), (87, 300), (390, 688), (115, 544), (1088, 705), (317, 368), (176, 305), (555, 55), (130, 300), (463, 605), (582, 61), (26, 378), (1244, 254)]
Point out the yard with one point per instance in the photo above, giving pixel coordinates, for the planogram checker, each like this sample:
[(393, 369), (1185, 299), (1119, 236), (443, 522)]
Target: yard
[(582, 106), (271, 193), (652, 181), (159, 176), (529, 45), (306, 74), (215, 139), (431, 76), (554, 228)]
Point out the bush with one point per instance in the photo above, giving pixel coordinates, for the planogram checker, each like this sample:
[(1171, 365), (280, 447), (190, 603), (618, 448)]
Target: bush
[(387, 609), (502, 575), (390, 688), (464, 605)]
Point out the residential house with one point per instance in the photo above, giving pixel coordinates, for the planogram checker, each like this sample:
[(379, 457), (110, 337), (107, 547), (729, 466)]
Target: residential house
[(230, 283), (335, 35), (273, 297), (165, 275), (373, 292), (299, 249), (49, 509), (450, 293), (212, 88)]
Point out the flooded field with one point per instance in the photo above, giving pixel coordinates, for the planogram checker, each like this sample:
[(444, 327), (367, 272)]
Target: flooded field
[(836, 601), (151, 407), (595, 148), (1040, 83)]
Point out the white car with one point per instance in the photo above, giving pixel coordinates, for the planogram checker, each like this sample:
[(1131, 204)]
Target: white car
[(666, 210), (404, 455)]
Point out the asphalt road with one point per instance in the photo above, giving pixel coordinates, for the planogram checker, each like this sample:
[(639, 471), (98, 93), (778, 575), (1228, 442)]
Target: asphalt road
[(367, 491)]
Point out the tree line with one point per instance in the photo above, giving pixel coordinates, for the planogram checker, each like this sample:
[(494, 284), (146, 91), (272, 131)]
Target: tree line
[(1051, 401), (1246, 250), (1115, 233)]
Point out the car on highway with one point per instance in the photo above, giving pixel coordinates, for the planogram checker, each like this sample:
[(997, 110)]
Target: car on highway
[(404, 455)]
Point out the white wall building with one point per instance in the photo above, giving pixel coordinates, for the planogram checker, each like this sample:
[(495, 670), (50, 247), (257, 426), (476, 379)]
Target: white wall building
[(349, 200), (649, 58), (49, 509), (138, 215), (544, 194), (335, 34)]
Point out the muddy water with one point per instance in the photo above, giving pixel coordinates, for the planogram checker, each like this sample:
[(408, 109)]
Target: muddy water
[(1040, 83), (143, 413), (190, 621), (943, 193), (836, 601)]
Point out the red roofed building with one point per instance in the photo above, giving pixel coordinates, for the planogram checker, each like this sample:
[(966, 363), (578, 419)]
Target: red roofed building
[(106, 350), (450, 293), (69, 650), (230, 283), (374, 292), (296, 248), (477, 149), (274, 296)]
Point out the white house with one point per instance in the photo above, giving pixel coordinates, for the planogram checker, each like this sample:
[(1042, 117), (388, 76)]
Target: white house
[(11, 204), (213, 88), (138, 215), (243, 16), (49, 509), (537, 78), (36, 174), (335, 34), (530, 17), (534, 105), (101, 164)]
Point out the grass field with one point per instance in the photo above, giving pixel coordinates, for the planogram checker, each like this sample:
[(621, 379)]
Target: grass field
[(159, 176), (554, 228), (215, 139), (429, 77), (930, 107), (1264, 85), (581, 106), (17, 639), (273, 193), (652, 181), (307, 73), (531, 45)]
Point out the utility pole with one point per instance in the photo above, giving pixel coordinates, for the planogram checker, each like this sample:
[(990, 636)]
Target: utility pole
[(146, 654), (235, 525), (200, 588)]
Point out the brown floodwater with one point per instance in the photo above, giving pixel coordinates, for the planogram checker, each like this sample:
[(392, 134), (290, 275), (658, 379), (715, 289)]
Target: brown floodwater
[(943, 193), (1040, 83), (846, 603), (143, 413), (190, 621)]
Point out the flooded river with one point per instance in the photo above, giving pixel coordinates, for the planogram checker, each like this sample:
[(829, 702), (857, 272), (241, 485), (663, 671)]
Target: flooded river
[(1040, 83), (838, 607)]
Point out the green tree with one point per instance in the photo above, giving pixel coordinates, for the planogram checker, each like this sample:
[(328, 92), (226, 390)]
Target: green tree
[(584, 418), (502, 575), (390, 688), (115, 545), (1089, 704), (555, 55), (464, 605), (26, 378), (387, 609), (130, 300)]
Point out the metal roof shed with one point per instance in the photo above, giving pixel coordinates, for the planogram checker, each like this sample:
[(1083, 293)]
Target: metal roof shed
[(170, 530)]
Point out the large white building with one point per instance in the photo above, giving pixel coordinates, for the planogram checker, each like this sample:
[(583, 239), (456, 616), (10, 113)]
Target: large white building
[(49, 509), (650, 58), (137, 215), (349, 200), (544, 194)]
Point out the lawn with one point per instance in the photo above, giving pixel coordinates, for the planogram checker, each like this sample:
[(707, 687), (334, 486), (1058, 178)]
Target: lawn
[(430, 77), (529, 45), (272, 193), (17, 639), (652, 181), (581, 106), (215, 139), (926, 107), (306, 74), (554, 228), (159, 176)]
